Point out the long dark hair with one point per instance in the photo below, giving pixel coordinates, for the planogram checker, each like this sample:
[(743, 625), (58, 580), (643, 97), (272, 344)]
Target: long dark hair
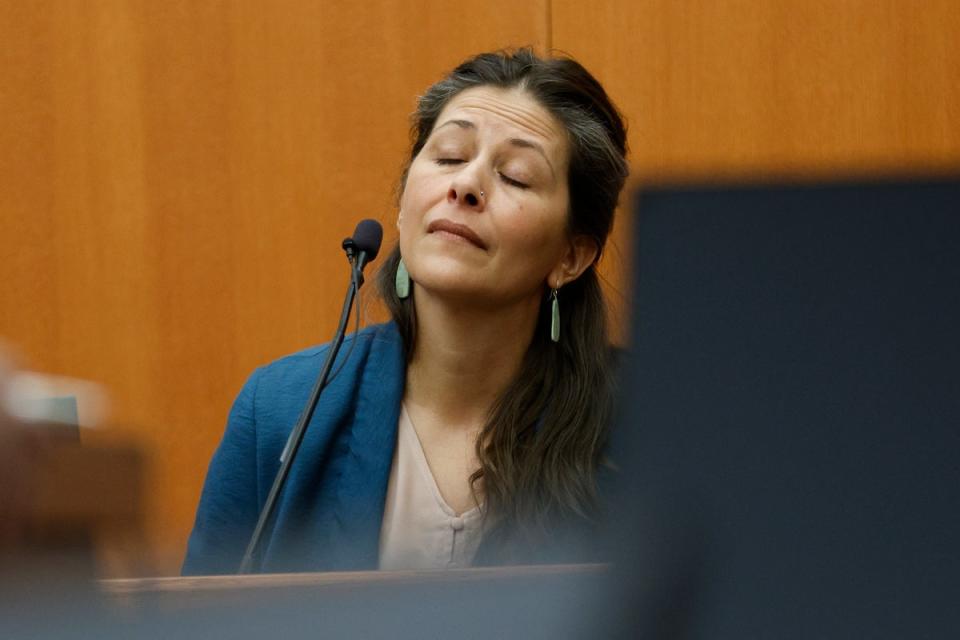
[(540, 447)]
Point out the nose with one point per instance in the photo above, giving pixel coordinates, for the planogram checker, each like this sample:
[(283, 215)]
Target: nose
[(466, 192)]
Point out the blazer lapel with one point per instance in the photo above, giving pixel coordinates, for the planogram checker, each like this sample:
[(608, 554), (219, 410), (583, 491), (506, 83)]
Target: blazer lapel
[(370, 443)]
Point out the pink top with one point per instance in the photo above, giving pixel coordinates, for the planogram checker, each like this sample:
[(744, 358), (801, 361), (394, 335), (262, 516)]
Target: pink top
[(420, 530)]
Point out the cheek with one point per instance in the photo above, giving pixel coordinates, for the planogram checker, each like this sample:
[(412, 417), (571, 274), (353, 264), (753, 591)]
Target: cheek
[(533, 228), (421, 190)]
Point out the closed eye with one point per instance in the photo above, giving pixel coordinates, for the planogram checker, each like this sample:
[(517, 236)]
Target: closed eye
[(512, 182), (445, 161)]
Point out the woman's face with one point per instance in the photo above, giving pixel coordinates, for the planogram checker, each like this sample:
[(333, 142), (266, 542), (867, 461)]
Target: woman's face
[(484, 209)]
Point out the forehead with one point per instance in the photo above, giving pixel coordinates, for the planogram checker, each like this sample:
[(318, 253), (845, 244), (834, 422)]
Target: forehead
[(514, 112)]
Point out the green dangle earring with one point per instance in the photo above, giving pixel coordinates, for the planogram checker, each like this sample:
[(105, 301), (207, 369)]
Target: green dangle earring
[(402, 281), (555, 315)]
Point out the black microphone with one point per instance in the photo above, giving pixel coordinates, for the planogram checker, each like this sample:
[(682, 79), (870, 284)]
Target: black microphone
[(367, 237), (361, 248)]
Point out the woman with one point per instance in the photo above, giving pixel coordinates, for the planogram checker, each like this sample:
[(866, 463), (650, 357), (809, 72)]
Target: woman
[(470, 429)]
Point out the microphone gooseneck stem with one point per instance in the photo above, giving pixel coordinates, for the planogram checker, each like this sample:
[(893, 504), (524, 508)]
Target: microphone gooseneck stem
[(296, 435), (358, 264)]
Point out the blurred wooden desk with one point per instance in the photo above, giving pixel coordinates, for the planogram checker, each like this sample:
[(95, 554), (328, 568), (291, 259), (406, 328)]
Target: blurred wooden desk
[(198, 591), (531, 602), (65, 508)]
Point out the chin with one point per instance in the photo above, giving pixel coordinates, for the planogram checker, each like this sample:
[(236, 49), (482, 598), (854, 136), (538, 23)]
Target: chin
[(450, 283), (445, 271)]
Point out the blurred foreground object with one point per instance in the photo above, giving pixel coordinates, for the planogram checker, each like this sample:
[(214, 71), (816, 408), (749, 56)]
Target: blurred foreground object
[(59, 501), (791, 447), (35, 397), (529, 602)]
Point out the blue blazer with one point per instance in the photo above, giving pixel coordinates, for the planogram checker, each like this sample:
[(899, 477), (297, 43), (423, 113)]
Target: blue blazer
[(329, 514)]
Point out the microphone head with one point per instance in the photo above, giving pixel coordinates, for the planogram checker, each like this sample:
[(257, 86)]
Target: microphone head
[(367, 238)]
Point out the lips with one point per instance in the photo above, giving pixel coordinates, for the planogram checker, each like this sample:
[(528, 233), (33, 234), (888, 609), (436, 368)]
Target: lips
[(459, 230)]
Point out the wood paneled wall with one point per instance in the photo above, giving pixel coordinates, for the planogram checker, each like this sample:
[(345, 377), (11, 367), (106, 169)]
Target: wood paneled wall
[(176, 176), (811, 87)]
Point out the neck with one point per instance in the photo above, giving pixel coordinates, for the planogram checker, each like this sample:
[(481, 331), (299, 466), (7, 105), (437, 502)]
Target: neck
[(465, 357)]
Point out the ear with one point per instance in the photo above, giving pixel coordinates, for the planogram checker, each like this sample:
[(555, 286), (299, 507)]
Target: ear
[(581, 252), (399, 219)]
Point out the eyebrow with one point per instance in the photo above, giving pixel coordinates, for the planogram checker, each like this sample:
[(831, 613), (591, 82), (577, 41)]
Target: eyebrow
[(463, 124), (516, 142)]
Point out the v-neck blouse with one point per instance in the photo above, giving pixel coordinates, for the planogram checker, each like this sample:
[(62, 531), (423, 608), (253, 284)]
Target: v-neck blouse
[(420, 530)]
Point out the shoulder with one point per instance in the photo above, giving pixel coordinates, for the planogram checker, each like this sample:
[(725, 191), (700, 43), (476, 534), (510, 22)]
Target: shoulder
[(385, 333), (379, 342), (275, 391)]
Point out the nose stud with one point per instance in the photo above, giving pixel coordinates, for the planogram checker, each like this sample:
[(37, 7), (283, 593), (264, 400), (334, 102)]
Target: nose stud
[(481, 194)]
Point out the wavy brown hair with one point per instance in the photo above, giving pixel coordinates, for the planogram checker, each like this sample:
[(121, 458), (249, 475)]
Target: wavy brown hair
[(542, 443)]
